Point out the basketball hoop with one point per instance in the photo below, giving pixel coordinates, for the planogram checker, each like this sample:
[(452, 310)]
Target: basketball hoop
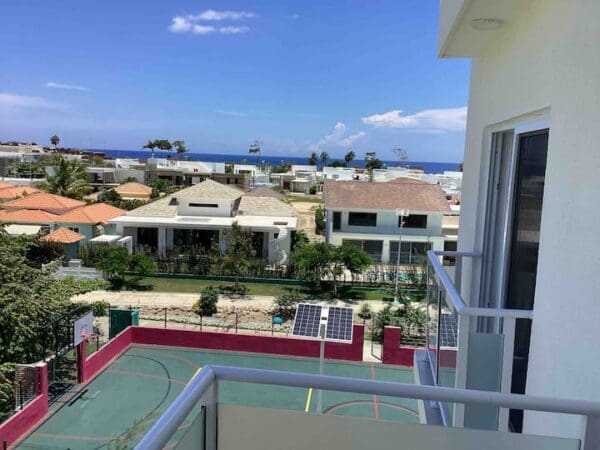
[(87, 337)]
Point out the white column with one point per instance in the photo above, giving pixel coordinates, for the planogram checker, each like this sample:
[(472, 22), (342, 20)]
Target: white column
[(162, 240), (385, 252), (328, 226)]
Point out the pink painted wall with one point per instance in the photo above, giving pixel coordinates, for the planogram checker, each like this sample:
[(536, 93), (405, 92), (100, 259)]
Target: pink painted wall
[(278, 345), (90, 367), (28, 417)]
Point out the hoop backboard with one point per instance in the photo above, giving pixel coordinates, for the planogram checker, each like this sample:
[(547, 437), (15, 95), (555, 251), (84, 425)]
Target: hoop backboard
[(83, 327)]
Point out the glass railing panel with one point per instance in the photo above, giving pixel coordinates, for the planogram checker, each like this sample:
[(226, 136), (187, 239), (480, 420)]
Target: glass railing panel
[(433, 292), (448, 348)]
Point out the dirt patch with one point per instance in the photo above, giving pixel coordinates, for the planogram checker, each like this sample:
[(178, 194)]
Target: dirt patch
[(306, 219)]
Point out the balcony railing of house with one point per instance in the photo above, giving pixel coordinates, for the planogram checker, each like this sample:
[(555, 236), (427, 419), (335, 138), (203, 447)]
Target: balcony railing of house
[(213, 424), (468, 347)]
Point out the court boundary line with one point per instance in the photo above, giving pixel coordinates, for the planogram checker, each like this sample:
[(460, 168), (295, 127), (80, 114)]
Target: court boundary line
[(308, 399)]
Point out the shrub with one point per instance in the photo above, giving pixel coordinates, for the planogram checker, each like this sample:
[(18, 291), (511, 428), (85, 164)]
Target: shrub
[(365, 312), (312, 190), (206, 305), (285, 303), (320, 220), (233, 289)]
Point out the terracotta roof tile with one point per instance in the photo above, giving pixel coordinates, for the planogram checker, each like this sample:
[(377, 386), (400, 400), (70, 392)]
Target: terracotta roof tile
[(13, 192), (28, 216), (92, 214), (43, 200), (63, 235), (385, 196)]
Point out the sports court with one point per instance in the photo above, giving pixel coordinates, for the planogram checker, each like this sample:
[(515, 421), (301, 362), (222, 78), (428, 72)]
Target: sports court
[(123, 401)]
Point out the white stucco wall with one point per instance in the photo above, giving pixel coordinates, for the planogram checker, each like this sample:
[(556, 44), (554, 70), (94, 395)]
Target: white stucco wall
[(549, 58)]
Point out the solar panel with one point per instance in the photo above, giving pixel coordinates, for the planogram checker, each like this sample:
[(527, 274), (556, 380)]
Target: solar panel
[(339, 324), (308, 318)]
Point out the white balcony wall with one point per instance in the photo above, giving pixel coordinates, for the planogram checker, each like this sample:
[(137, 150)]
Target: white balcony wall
[(548, 59)]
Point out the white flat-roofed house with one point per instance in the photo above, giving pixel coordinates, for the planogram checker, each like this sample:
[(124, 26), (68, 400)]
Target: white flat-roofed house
[(528, 237), (364, 214), (339, 173), (198, 216)]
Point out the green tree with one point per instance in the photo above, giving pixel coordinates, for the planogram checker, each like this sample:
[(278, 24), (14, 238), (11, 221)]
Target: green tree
[(324, 158), (150, 145), (116, 262), (69, 180), (365, 312), (54, 140), (180, 148), (372, 161), (320, 220), (349, 157), (255, 149), (164, 145), (206, 305), (236, 259), (313, 159)]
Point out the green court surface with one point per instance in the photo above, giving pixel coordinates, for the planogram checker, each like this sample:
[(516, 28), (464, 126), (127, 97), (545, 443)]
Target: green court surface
[(115, 409)]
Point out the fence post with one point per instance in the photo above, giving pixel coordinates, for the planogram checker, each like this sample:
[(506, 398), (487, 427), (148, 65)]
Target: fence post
[(236, 321), (165, 317)]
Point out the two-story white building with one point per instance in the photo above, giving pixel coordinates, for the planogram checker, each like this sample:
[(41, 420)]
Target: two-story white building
[(199, 215), (364, 214)]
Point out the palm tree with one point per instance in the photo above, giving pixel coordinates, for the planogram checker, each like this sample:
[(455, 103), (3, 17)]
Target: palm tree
[(313, 159), (180, 148), (54, 140), (349, 157), (324, 157), (69, 180)]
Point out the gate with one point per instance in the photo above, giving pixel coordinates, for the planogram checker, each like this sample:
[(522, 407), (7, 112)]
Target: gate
[(376, 339)]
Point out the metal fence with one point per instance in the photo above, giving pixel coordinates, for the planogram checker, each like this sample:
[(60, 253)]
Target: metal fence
[(25, 385)]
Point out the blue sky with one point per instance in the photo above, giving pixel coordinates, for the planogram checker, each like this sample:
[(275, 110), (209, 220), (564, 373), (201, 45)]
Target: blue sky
[(296, 75)]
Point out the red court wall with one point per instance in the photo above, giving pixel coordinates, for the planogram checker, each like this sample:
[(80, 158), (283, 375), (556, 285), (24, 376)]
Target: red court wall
[(90, 367), (393, 352), (19, 424), (277, 345)]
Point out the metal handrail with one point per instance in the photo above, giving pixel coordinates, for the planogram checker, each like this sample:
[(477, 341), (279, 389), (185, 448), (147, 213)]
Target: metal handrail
[(457, 300), (158, 436)]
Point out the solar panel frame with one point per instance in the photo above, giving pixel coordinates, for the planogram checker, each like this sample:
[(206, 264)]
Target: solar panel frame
[(307, 321), (340, 324)]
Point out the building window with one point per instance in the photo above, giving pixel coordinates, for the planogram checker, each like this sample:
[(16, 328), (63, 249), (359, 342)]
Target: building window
[(450, 246), (75, 229), (371, 248), (362, 219), (414, 221), (411, 253), (337, 221), (147, 237), (203, 205)]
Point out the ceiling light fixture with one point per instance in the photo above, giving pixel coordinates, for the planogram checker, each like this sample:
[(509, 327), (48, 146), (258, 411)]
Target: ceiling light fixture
[(487, 23)]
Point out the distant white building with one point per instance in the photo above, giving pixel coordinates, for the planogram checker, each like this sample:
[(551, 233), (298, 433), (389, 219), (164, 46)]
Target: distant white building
[(199, 215), (364, 214)]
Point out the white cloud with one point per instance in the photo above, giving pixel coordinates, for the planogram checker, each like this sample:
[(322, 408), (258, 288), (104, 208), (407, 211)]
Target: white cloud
[(21, 102), (72, 87), (192, 23), (212, 15), (339, 137), (449, 119), (233, 30)]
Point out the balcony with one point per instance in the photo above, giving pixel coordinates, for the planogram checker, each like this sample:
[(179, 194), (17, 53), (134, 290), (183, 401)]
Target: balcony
[(467, 347), (213, 424)]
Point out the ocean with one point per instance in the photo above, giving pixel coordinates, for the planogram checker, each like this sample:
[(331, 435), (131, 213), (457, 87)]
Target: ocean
[(427, 166)]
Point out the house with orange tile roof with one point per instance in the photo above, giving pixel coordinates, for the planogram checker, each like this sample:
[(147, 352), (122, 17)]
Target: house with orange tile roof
[(66, 238), (52, 203), (90, 220), (11, 192)]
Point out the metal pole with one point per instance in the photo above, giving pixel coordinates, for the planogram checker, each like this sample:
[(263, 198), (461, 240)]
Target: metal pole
[(398, 260), (321, 368), (165, 317)]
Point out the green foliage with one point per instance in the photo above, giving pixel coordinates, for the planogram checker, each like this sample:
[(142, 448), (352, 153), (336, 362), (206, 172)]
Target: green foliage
[(320, 220), (299, 237), (285, 303), (69, 180), (324, 157), (349, 157), (237, 289), (365, 312), (39, 253), (180, 148), (206, 305), (282, 168), (240, 250), (113, 198), (372, 161), (54, 140), (313, 159), (160, 186), (312, 190), (316, 260), (410, 317), (7, 399), (115, 262)]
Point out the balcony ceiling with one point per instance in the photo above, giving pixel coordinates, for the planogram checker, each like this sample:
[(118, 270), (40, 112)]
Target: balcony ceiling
[(458, 34)]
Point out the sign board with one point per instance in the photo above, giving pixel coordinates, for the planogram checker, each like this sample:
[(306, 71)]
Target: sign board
[(83, 327)]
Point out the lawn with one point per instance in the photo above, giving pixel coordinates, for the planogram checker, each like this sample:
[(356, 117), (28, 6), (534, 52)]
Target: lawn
[(194, 286)]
